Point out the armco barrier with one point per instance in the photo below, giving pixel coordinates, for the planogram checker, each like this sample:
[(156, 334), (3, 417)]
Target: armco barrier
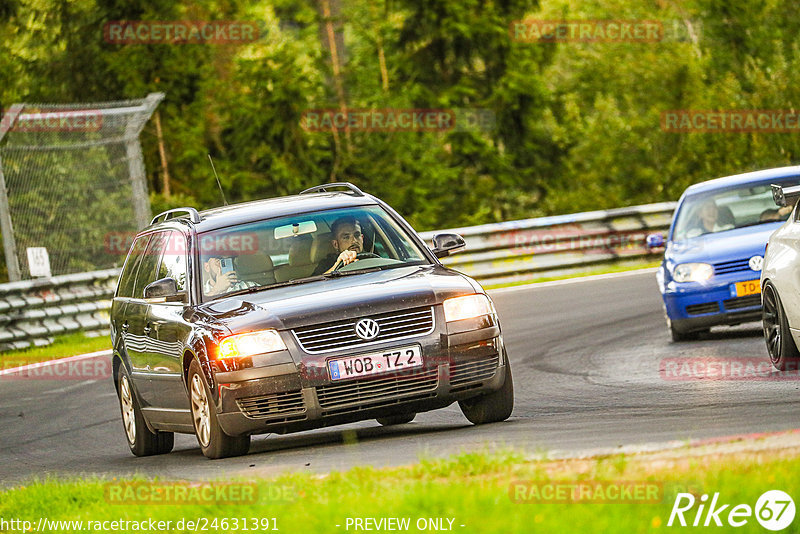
[(532, 248), (33, 311)]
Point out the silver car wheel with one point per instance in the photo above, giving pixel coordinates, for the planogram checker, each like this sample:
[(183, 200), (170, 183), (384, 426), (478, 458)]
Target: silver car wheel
[(128, 414), (200, 411)]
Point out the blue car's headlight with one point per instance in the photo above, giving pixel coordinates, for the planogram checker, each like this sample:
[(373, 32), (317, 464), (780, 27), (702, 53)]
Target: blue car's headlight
[(692, 272)]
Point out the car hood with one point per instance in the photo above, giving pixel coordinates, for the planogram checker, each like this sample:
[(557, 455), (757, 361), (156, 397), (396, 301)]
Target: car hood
[(338, 298), (741, 243)]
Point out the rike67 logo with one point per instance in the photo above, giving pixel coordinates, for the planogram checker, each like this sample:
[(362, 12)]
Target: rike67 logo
[(774, 510)]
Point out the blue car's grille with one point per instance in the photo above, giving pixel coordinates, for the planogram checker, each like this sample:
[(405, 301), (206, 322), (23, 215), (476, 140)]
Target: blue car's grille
[(742, 302), (699, 309), (735, 266)]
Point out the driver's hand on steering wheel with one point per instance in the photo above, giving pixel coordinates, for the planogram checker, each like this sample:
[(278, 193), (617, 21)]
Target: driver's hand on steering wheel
[(347, 256)]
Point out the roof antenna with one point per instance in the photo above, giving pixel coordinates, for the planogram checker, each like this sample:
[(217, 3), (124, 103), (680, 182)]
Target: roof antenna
[(221, 192)]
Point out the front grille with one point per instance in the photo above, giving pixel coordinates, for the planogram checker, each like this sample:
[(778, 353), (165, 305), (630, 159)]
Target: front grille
[(370, 392), (341, 334), (699, 309), (288, 406), (465, 374), (734, 266), (742, 302)]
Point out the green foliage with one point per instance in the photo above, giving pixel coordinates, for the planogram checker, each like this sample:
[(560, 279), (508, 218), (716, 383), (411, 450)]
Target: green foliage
[(576, 124)]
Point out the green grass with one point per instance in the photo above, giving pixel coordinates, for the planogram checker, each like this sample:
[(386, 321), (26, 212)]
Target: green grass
[(62, 346), (581, 274), (471, 488)]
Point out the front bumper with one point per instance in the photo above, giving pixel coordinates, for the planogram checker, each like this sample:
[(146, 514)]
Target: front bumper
[(460, 362), (695, 306)]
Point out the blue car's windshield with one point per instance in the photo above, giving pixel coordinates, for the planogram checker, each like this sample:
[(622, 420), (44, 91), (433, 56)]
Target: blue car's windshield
[(727, 209)]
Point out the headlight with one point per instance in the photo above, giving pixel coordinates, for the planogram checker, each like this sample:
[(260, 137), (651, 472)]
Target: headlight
[(692, 272), (458, 308), (251, 344)]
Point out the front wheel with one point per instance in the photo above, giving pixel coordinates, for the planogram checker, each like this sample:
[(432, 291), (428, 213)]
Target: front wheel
[(780, 344), (680, 335), (491, 407), (214, 442), (141, 440)]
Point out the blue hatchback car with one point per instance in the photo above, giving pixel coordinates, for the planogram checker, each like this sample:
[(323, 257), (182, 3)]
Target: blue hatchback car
[(715, 250)]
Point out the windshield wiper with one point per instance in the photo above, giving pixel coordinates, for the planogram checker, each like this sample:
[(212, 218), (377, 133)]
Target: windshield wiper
[(756, 223), (336, 274)]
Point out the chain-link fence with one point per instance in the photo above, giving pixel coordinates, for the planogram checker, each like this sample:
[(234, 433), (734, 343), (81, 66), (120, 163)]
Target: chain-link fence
[(72, 181)]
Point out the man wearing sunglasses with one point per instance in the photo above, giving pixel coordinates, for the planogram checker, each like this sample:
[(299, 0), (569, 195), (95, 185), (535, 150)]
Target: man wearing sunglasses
[(348, 241)]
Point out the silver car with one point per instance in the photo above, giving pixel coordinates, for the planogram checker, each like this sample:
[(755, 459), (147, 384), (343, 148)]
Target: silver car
[(780, 283)]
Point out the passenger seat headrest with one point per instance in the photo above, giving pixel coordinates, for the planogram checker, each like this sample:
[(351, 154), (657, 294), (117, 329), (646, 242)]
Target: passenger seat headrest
[(258, 262), (322, 247), (300, 251)]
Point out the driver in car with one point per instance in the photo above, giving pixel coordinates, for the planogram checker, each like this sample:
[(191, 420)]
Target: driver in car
[(348, 242), (709, 220)]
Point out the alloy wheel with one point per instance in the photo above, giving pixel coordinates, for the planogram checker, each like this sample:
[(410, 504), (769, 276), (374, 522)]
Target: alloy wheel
[(200, 409), (128, 415), (772, 323)]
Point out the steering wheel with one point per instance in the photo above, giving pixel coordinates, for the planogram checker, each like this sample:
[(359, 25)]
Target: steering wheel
[(359, 256)]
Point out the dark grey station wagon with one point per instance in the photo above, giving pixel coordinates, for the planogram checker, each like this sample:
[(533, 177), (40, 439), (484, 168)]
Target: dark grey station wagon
[(295, 313)]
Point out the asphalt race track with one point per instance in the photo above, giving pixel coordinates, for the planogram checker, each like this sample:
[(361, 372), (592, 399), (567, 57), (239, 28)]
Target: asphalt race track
[(586, 360)]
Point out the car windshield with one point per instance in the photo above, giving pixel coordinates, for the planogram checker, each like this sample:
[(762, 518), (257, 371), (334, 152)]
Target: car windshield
[(301, 248), (727, 209)]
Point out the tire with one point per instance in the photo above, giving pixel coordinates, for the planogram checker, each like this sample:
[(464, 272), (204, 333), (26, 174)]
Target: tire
[(680, 335), (397, 419), (141, 440), (780, 344), (213, 441), (491, 407)]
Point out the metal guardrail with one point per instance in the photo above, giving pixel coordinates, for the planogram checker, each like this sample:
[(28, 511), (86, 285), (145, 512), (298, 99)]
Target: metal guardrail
[(33, 311), (517, 251)]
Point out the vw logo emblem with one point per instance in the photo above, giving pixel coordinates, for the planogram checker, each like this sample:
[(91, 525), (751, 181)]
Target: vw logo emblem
[(756, 263), (367, 329)]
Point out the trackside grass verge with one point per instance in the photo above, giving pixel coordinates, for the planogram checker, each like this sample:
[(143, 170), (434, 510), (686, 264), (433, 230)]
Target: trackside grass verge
[(476, 490), (61, 347)]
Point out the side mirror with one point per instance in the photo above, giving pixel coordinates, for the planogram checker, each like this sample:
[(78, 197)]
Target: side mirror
[(445, 244), (165, 289), (655, 240)]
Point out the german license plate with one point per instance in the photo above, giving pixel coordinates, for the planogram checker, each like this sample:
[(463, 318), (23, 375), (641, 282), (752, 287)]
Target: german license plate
[(374, 363), (751, 287)]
